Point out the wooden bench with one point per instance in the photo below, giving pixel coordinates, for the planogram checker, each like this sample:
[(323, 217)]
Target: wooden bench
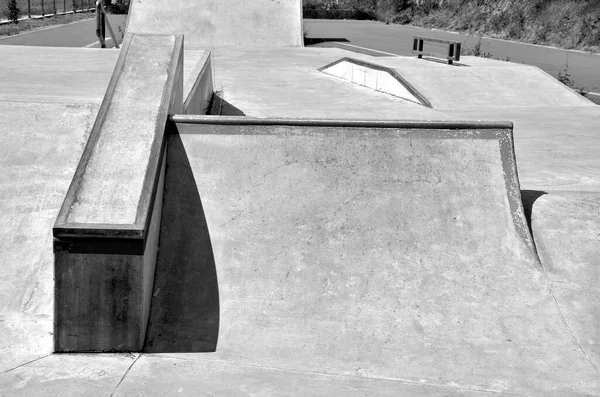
[(452, 54)]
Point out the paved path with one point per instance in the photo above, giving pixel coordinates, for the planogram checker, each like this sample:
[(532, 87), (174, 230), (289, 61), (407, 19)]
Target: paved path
[(397, 39), (77, 34)]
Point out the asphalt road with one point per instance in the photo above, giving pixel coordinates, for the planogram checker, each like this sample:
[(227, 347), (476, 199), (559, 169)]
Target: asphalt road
[(584, 68), (77, 34)]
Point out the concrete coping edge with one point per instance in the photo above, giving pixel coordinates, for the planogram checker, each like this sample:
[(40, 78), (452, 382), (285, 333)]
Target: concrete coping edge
[(415, 124)]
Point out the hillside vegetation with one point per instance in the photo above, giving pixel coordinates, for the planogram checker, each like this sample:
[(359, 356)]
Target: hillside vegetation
[(571, 24)]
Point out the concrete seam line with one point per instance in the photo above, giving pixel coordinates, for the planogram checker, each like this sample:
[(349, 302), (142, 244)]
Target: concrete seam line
[(563, 318), (567, 325), (27, 363), (125, 374), (341, 375)]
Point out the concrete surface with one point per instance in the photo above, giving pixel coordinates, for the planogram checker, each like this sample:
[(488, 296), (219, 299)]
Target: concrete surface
[(337, 255), (370, 76), (41, 145), (301, 263), (66, 75), (398, 39), (71, 75), (209, 23), (566, 227), (123, 158), (556, 146), (198, 83), (479, 84)]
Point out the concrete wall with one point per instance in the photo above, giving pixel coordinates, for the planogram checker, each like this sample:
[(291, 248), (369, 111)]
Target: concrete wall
[(198, 86)]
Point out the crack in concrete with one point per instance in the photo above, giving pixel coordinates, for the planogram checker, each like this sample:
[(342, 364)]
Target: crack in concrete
[(125, 374), (564, 320)]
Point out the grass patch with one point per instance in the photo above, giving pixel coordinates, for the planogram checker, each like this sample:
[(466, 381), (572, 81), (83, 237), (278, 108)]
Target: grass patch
[(33, 24), (45, 7)]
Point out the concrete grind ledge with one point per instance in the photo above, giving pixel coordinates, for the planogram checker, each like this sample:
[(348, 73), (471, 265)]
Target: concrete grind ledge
[(106, 233), (125, 148)]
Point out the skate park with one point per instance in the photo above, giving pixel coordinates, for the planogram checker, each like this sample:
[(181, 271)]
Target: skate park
[(317, 233)]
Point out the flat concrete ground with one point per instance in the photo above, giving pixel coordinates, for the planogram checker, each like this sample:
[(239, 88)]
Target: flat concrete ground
[(556, 131), (320, 271)]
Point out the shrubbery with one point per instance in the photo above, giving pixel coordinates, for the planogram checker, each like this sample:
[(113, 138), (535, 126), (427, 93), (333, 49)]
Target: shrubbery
[(562, 23), (117, 6), (12, 11)]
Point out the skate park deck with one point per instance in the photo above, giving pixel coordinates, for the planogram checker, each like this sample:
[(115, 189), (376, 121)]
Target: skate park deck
[(314, 269)]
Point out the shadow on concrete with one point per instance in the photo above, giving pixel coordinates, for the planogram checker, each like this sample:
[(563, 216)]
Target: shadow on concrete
[(220, 107), (443, 61), (528, 197), (319, 40), (184, 316)]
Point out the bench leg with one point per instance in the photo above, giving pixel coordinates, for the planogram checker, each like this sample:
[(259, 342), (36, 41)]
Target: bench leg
[(450, 53)]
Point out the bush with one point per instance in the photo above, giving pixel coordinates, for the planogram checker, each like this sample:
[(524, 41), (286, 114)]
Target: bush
[(12, 11), (117, 6)]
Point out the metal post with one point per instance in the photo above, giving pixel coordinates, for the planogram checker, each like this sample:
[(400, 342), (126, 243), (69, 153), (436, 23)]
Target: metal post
[(29, 8), (112, 33), (100, 23), (65, 6), (43, 13), (54, 5)]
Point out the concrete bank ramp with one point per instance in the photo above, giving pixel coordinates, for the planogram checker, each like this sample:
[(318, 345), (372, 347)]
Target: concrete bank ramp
[(348, 258), (475, 83), (208, 23), (41, 145)]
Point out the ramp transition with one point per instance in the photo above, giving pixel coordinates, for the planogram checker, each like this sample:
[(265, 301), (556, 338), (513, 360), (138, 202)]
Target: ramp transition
[(365, 253)]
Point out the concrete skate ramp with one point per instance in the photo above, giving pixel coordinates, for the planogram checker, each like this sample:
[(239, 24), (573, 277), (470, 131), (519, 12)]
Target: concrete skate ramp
[(352, 258), (208, 23), (41, 146)]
